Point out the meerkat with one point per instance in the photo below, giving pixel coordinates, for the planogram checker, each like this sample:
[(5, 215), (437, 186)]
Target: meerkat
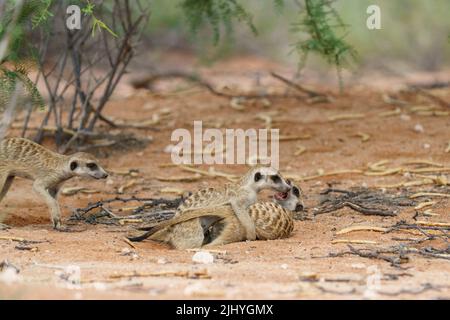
[(238, 196), (273, 220), (23, 158)]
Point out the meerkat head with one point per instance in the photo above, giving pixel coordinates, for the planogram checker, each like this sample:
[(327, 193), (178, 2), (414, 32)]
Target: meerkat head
[(291, 200), (262, 177), (85, 165)]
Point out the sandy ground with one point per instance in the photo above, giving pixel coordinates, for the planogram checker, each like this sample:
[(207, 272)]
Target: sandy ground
[(293, 268)]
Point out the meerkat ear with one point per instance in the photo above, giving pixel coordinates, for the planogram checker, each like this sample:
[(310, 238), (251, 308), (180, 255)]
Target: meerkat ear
[(73, 165), (258, 176)]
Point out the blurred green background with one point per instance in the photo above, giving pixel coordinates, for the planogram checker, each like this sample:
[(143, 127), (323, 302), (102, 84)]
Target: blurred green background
[(414, 34)]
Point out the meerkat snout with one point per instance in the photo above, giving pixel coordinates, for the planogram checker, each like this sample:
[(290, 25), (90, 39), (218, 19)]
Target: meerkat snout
[(85, 165), (291, 200)]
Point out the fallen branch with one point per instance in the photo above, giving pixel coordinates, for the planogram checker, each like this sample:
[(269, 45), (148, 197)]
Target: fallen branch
[(146, 83), (337, 241), (310, 93)]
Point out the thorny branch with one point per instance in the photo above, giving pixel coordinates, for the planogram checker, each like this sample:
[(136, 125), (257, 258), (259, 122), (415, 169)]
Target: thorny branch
[(365, 201), (149, 209)]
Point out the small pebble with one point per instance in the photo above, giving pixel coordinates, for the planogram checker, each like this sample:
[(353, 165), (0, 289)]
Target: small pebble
[(405, 117), (419, 128), (162, 261), (203, 257)]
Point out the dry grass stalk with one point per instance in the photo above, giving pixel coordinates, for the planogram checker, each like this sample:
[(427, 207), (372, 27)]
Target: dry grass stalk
[(424, 204), (391, 113), (192, 178), (337, 241), (128, 242), (362, 228), (433, 224), (17, 239), (364, 136), (348, 116), (429, 194), (176, 191), (128, 185), (300, 150)]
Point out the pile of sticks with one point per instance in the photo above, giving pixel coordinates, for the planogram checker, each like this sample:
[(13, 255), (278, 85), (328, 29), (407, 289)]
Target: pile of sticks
[(145, 210), (363, 200)]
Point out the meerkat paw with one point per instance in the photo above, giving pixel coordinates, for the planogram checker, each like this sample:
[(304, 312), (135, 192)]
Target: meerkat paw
[(61, 228), (58, 226)]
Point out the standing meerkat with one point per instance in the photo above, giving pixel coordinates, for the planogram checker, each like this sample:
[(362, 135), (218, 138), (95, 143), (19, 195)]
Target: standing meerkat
[(238, 196), (49, 170), (273, 220)]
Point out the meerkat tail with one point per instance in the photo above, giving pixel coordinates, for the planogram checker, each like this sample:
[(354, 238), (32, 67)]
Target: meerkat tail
[(197, 213)]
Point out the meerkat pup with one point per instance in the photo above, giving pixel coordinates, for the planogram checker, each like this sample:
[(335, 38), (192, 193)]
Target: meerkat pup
[(23, 158), (273, 220), (238, 196)]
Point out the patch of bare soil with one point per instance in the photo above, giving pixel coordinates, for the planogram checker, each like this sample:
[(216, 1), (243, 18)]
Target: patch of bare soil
[(362, 139)]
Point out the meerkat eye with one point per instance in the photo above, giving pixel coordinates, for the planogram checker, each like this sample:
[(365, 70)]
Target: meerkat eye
[(258, 176), (73, 165), (92, 166), (296, 192), (276, 178)]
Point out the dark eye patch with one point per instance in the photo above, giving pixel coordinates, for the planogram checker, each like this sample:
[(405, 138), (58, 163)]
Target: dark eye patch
[(258, 176), (92, 166), (73, 165), (275, 178), (296, 191)]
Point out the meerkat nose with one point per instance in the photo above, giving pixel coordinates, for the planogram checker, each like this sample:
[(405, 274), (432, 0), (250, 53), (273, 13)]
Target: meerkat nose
[(299, 207), (105, 175)]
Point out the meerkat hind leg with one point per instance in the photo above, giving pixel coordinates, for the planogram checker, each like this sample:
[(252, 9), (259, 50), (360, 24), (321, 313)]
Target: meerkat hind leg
[(187, 235), (226, 231)]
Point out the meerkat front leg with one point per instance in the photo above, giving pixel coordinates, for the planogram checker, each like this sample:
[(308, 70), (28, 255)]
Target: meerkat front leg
[(49, 195), (240, 209)]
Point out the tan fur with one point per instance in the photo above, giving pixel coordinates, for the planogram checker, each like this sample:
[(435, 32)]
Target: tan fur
[(23, 158), (272, 221), (238, 197)]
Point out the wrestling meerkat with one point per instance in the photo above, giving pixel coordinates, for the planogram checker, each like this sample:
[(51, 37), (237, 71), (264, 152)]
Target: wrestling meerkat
[(273, 220), (49, 170), (238, 196)]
